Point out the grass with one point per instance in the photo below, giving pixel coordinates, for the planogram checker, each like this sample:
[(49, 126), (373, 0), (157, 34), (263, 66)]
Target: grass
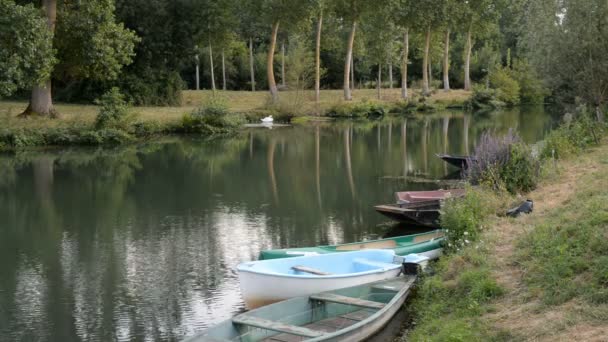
[(238, 101), (541, 277)]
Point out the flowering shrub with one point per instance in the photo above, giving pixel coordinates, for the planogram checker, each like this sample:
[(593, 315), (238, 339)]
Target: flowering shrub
[(463, 219)]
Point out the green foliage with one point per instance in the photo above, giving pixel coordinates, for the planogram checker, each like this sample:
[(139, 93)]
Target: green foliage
[(366, 109), (153, 87), (113, 111), (565, 257), (504, 163), (484, 98), (212, 118), (531, 88), (90, 43), (507, 88), (521, 172), (27, 56), (573, 136), (463, 218), (19, 139), (448, 304)]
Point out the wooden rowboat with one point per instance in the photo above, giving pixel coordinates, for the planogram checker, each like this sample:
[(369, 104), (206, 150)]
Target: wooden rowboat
[(427, 244), (458, 161), (406, 197), (269, 281), (350, 314), (425, 217)]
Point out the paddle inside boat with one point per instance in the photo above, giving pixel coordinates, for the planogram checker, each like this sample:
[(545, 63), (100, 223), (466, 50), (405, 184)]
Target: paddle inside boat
[(428, 244), (349, 314), (268, 281)]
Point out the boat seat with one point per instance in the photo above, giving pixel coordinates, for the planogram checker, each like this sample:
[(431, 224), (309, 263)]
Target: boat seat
[(310, 270), (334, 298), (276, 326), (368, 265), (387, 244)]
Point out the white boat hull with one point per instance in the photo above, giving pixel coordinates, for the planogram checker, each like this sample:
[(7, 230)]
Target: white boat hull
[(263, 289)]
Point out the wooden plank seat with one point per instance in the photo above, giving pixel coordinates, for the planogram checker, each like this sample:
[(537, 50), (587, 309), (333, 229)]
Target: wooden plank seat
[(276, 326), (309, 270), (334, 298)]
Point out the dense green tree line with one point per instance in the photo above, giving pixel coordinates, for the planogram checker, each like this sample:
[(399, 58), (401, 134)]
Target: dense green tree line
[(153, 49)]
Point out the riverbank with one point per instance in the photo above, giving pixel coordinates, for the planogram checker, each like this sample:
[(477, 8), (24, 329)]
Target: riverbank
[(539, 277), (76, 123)]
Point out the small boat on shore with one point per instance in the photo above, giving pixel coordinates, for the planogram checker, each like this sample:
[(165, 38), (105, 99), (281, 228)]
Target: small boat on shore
[(424, 214), (427, 244), (406, 197), (349, 314), (268, 281), (458, 161)]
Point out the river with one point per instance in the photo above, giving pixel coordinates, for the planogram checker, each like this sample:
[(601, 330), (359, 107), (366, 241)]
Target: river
[(140, 242)]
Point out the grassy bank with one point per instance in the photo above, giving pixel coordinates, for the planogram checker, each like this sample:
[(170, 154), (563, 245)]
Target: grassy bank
[(542, 276), (76, 125)]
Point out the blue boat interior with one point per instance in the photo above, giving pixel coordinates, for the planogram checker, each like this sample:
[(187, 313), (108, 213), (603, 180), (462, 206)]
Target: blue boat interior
[(336, 264)]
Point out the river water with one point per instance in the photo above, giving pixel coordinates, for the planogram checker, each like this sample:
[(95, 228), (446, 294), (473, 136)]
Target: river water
[(140, 242)]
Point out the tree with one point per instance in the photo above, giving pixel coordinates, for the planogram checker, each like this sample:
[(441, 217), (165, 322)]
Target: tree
[(450, 12), (428, 17), (477, 17), (89, 44), (350, 11), (26, 57), (219, 19), (289, 12), (581, 69), (405, 18), (380, 32)]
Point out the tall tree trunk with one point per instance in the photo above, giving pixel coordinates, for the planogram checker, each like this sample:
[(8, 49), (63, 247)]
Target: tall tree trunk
[(211, 68), (41, 101), (283, 82), (318, 60), (406, 48), (352, 73), (223, 71), (251, 70), (446, 62), (379, 83), (467, 62), (390, 75), (425, 63), (198, 74), (272, 84), (430, 65), (347, 65)]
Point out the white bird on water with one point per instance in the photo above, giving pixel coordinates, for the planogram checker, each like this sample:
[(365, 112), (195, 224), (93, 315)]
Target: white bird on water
[(268, 119)]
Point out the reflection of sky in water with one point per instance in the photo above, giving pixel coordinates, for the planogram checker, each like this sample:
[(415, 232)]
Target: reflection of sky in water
[(141, 242)]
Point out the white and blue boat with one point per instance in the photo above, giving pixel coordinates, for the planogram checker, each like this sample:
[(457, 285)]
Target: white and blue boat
[(269, 281)]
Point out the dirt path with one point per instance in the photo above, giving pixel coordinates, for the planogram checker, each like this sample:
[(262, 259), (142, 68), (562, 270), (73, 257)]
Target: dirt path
[(518, 312)]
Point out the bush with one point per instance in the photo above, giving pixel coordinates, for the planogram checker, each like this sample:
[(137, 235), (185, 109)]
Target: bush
[(153, 87), (507, 88), (212, 118), (463, 219), (531, 88), (484, 98), (366, 109), (114, 111), (504, 163), (573, 136)]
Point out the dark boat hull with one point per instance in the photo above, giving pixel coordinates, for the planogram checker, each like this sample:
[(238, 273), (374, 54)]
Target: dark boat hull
[(458, 161), (426, 215)]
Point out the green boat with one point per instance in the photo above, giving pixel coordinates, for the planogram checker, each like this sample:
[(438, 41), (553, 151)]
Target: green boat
[(428, 244)]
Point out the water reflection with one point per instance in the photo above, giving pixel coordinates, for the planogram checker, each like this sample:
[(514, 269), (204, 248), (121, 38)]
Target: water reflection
[(140, 242)]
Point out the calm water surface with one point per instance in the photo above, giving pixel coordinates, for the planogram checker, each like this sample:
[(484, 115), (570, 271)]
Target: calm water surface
[(140, 242)]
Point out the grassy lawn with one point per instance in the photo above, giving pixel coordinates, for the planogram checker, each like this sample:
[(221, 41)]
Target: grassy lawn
[(238, 101)]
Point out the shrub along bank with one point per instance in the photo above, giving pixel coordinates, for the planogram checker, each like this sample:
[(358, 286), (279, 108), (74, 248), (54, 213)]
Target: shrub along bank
[(116, 124), (561, 259)]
